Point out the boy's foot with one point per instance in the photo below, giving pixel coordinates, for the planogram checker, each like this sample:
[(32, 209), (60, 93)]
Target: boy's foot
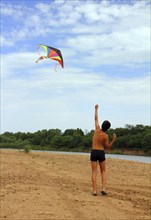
[(94, 194), (104, 193)]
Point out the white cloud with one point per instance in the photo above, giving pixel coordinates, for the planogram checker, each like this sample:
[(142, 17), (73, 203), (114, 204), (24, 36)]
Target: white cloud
[(11, 62), (32, 21), (5, 42), (114, 48), (41, 18), (37, 97), (64, 101), (43, 7), (15, 11)]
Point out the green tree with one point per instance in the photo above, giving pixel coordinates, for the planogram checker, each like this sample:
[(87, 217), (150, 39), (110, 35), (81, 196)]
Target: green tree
[(77, 140), (37, 137), (73, 131), (87, 142), (56, 141), (146, 141), (67, 141)]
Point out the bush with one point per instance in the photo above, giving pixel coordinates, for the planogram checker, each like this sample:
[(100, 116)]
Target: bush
[(27, 148)]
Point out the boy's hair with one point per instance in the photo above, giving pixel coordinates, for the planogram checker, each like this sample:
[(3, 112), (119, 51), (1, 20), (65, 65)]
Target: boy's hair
[(106, 125)]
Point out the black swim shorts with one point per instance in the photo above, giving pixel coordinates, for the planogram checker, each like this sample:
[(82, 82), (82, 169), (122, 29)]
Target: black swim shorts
[(97, 155)]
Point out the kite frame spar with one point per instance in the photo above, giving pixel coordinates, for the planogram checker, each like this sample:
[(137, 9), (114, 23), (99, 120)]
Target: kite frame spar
[(52, 53)]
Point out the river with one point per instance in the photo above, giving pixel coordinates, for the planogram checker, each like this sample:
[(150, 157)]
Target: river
[(143, 159)]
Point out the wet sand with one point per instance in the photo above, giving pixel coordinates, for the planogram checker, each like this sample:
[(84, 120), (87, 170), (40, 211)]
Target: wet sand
[(55, 186)]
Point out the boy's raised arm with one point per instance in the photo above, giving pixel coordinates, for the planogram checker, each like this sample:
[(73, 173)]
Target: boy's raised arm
[(97, 126)]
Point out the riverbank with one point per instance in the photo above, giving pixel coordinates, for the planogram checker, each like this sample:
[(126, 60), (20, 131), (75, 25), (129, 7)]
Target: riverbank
[(56, 186), (132, 152)]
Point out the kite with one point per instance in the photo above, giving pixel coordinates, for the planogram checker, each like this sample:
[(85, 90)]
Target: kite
[(51, 53)]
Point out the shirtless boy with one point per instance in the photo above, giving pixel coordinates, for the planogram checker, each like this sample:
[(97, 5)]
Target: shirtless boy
[(99, 142)]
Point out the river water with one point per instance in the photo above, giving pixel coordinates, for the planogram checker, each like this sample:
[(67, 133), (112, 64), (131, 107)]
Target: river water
[(143, 159)]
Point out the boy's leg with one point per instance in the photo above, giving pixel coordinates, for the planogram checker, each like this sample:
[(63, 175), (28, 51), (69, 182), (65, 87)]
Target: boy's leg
[(103, 174), (94, 174)]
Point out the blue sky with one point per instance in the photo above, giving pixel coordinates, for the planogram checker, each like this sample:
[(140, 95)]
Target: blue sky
[(106, 51)]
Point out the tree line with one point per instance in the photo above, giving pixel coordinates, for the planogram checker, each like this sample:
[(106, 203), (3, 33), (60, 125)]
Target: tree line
[(130, 138)]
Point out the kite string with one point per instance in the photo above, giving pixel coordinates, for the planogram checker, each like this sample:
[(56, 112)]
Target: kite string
[(56, 67), (39, 50)]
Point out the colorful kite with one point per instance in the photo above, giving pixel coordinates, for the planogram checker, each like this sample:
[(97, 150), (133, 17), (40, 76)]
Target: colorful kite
[(51, 53)]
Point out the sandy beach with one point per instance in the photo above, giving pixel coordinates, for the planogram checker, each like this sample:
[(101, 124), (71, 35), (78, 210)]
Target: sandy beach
[(58, 187)]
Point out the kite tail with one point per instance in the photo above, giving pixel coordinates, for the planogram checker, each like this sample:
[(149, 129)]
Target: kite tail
[(40, 58)]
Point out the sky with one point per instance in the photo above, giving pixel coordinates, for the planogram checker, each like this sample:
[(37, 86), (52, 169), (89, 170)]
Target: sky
[(106, 51)]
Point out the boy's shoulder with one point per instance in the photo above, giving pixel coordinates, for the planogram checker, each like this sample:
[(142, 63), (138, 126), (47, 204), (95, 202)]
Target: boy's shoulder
[(104, 134)]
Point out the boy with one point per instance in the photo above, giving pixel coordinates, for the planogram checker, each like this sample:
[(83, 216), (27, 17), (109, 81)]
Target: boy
[(100, 140)]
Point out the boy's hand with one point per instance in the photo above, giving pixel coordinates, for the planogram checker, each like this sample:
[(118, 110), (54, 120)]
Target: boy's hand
[(114, 136), (96, 106)]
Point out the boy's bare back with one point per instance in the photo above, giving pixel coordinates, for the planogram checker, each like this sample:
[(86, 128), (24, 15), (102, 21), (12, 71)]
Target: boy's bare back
[(100, 138)]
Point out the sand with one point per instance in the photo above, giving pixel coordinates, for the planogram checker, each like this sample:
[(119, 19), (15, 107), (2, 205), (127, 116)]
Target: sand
[(58, 186)]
